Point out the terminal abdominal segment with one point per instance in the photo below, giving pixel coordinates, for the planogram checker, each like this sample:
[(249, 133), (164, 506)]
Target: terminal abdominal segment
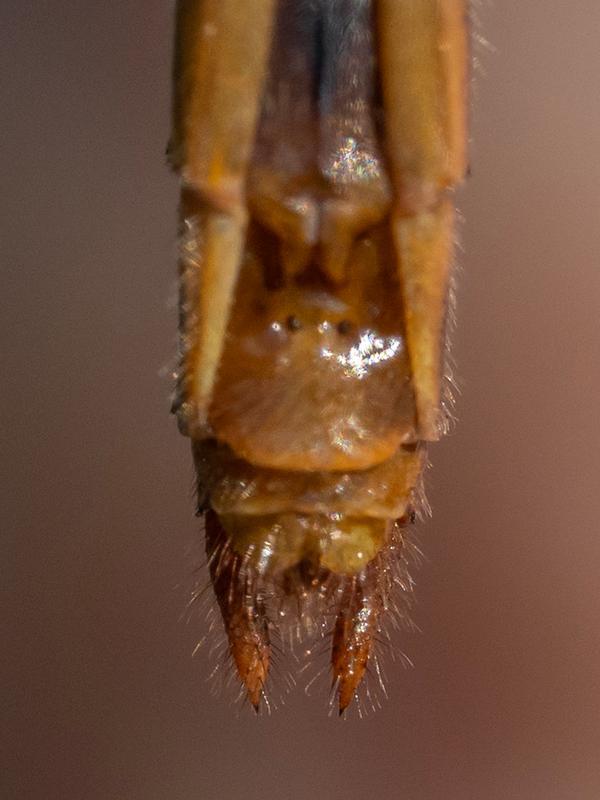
[(318, 144)]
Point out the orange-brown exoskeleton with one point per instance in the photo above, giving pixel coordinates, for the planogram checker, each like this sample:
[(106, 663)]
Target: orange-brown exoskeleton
[(318, 144)]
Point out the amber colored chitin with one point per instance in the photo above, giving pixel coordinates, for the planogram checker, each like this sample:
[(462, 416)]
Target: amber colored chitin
[(318, 144)]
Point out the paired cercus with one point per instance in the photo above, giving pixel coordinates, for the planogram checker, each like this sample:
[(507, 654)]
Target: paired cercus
[(318, 145)]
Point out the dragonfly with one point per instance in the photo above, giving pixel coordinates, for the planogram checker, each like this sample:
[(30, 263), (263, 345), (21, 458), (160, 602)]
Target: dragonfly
[(319, 144)]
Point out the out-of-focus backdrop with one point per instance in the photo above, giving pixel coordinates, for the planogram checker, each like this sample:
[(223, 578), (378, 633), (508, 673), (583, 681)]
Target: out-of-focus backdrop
[(103, 700)]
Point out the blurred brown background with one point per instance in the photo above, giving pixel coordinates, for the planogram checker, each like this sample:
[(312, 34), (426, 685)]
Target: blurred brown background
[(103, 700)]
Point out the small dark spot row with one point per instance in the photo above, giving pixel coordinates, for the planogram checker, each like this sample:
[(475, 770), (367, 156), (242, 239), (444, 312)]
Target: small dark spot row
[(293, 324)]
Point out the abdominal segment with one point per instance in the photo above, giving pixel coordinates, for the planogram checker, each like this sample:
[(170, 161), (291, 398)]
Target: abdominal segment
[(316, 238)]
